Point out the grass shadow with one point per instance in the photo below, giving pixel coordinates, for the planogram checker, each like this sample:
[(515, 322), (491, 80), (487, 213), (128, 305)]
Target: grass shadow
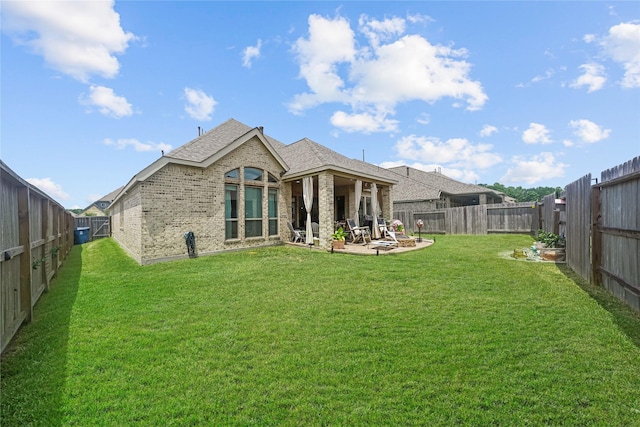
[(36, 358), (627, 320)]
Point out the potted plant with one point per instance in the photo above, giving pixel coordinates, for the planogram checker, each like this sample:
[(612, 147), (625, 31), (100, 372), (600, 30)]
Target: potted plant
[(397, 226), (338, 238), (551, 246)]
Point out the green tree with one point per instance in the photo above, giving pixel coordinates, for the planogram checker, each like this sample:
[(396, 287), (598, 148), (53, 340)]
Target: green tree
[(524, 194)]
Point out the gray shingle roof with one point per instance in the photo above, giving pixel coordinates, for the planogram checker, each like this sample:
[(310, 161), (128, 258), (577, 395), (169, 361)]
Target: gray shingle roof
[(209, 143), (306, 155), (413, 178)]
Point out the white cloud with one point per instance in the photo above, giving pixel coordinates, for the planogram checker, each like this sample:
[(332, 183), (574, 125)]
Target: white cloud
[(488, 130), (363, 122), (77, 38), (547, 75), (199, 105), (424, 119), (419, 18), (589, 38), (92, 197), (387, 70), (251, 52), (48, 186), (138, 146), (455, 153), (377, 31), (588, 131), (107, 102), (330, 43), (622, 44), (594, 77), (538, 168), (536, 134)]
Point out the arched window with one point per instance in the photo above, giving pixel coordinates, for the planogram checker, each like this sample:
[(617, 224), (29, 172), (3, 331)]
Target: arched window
[(254, 190), (252, 174)]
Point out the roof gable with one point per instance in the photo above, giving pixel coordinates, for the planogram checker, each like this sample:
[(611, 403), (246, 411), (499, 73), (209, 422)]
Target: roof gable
[(209, 147), (306, 156)]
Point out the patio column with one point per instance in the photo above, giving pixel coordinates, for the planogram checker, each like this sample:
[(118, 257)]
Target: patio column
[(325, 208)]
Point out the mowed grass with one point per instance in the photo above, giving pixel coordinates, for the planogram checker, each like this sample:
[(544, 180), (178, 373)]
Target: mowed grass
[(449, 335)]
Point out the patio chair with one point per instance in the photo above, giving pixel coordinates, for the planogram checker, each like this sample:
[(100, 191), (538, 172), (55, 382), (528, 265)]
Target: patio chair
[(296, 235), (382, 226), (316, 229), (358, 234)]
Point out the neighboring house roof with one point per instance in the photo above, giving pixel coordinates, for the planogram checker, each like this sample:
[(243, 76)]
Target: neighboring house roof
[(433, 180), (106, 199), (305, 157)]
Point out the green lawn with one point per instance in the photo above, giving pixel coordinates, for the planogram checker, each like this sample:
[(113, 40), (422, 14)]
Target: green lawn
[(448, 335)]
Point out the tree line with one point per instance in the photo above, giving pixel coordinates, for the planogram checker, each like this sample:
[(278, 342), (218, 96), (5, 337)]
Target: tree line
[(524, 194)]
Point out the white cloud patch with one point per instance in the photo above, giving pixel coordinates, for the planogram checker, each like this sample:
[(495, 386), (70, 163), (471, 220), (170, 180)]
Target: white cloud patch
[(77, 38), (588, 131), (199, 106), (363, 122), (594, 77), (107, 102), (51, 188), (455, 153), (386, 69), (488, 130), (250, 53), (138, 146), (622, 44), (528, 171), (536, 134)]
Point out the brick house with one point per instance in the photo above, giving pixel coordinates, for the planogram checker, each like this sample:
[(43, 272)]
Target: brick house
[(235, 187)]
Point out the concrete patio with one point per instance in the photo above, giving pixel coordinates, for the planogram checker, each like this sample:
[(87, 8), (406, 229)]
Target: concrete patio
[(371, 248)]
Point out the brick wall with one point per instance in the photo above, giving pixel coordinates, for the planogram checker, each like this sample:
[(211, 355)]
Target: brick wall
[(178, 199)]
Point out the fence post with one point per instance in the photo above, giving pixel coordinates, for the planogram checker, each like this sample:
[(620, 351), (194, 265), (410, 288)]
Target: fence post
[(596, 236), (25, 257)]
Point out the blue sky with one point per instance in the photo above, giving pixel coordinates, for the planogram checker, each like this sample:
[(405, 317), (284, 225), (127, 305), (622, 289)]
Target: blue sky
[(521, 93)]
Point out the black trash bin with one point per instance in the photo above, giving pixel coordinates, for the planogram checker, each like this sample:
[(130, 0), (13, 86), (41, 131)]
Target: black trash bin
[(81, 235)]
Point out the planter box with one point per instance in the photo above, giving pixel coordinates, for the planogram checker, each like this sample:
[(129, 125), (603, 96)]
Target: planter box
[(552, 254)]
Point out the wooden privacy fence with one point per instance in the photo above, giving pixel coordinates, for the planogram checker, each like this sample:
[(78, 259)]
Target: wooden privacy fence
[(99, 226), (36, 234), (603, 230), (551, 215), (476, 219), (615, 233)]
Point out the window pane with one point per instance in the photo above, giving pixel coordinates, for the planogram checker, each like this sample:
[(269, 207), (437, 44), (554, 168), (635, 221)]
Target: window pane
[(231, 229), (253, 228), (234, 174), (231, 201), (273, 203), (253, 211), (253, 202), (252, 174), (272, 178), (273, 227), (231, 211)]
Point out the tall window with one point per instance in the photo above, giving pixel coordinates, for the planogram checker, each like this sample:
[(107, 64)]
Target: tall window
[(273, 211), (231, 211), (252, 211)]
